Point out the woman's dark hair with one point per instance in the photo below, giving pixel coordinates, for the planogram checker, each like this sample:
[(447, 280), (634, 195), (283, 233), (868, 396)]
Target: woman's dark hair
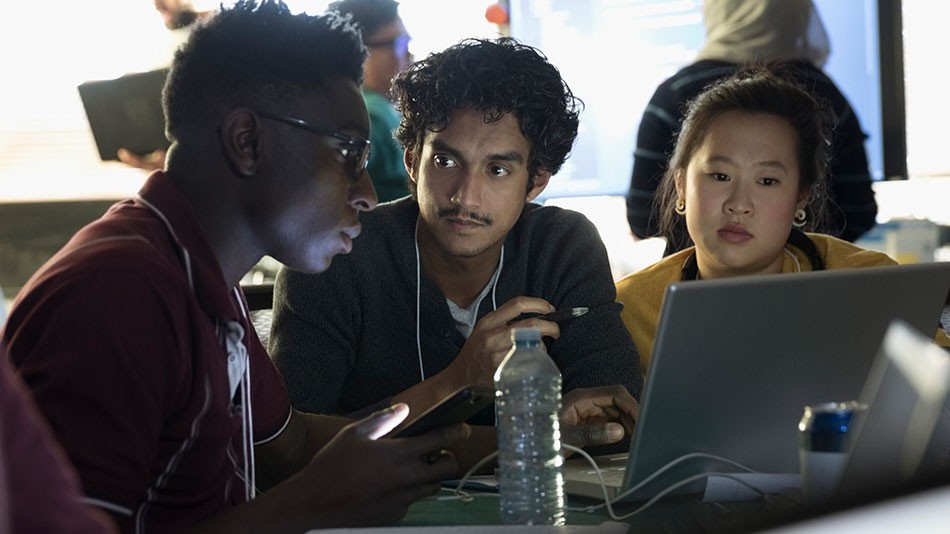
[(278, 53), (494, 77), (753, 90)]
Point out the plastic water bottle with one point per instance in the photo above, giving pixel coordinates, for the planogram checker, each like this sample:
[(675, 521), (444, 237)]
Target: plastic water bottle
[(527, 404)]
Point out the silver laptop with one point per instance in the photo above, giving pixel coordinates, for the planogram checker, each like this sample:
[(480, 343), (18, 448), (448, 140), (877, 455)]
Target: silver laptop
[(736, 360), (903, 438)]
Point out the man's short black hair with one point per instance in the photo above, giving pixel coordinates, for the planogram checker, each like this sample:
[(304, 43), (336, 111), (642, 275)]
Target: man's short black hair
[(253, 54), (494, 77), (368, 15)]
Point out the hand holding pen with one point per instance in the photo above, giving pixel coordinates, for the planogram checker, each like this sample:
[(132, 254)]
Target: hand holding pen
[(490, 341), (564, 315)]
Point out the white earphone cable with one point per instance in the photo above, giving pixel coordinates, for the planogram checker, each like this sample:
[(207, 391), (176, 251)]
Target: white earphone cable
[(422, 371), (494, 302), (247, 426)]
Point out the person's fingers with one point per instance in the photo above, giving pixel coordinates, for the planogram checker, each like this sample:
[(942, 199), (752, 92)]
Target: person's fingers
[(630, 421), (510, 310), (499, 341), (429, 450), (547, 328), (627, 403), (605, 414), (594, 434), (152, 161), (437, 439), (590, 401), (380, 423), (131, 159), (425, 470), (439, 465)]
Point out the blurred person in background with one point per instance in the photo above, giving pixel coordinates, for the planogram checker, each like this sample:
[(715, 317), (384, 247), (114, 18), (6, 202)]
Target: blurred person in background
[(387, 40), (178, 16), (755, 32)]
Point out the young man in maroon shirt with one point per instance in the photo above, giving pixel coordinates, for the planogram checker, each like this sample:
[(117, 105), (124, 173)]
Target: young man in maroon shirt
[(134, 338)]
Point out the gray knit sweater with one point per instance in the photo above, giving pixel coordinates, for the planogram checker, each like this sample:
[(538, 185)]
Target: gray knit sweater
[(345, 340)]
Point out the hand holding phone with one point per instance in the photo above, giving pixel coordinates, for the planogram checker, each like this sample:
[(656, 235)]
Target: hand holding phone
[(456, 408)]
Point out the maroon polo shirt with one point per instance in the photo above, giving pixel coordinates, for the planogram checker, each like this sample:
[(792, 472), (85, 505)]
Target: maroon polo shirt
[(124, 353), (39, 491)]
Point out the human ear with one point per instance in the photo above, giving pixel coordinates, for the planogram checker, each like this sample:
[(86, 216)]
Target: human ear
[(679, 182), (409, 160), (241, 142), (540, 181), (803, 199)]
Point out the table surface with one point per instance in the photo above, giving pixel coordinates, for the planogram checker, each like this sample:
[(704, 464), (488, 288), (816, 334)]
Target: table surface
[(684, 513)]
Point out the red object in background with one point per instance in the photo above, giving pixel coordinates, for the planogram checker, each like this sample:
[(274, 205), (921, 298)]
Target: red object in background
[(496, 14)]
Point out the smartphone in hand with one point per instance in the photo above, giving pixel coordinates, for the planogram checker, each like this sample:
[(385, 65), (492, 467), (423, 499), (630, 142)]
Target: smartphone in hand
[(456, 408)]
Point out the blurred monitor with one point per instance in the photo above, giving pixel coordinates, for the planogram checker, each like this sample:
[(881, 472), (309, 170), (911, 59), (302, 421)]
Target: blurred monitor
[(614, 53)]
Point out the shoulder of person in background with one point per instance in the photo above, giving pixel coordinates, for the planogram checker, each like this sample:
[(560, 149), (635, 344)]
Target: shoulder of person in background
[(39, 491)]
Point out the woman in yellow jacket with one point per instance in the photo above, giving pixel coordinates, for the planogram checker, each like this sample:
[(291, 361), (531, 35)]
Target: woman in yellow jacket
[(747, 178)]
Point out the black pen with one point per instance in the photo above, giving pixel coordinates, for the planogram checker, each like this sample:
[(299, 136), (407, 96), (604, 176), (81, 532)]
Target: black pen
[(563, 315), (560, 316), (555, 316)]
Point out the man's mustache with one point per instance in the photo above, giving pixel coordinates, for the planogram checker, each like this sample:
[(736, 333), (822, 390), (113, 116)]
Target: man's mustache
[(458, 213)]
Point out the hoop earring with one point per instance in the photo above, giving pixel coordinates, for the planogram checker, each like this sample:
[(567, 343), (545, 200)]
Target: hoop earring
[(680, 207), (800, 218)]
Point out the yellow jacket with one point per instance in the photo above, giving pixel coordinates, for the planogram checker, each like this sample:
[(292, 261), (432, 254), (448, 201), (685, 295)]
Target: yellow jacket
[(642, 292)]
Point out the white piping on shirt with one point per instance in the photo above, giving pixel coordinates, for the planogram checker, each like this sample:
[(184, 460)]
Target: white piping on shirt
[(106, 505), (172, 465)]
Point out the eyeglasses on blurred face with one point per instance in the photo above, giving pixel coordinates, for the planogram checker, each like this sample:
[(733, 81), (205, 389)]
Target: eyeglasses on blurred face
[(399, 44)]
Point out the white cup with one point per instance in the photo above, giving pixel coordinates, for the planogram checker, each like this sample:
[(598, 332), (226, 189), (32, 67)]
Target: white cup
[(821, 472)]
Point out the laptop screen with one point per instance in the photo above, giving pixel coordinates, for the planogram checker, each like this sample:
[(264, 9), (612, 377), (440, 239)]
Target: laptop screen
[(902, 437), (737, 360)]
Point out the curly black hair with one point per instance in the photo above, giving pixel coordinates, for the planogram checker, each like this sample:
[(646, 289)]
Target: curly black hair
[(761, 89), (251, 53), (368, 15), (495, 77)]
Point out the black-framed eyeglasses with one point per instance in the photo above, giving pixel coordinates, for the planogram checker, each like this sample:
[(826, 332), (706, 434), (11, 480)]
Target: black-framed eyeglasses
[(351, 148), (399, 44)]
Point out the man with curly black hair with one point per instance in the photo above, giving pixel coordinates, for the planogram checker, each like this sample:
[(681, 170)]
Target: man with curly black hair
[(426, 302), (135, 338)]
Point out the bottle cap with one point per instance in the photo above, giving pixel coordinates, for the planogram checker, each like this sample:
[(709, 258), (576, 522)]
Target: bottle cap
[(525, 334)]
